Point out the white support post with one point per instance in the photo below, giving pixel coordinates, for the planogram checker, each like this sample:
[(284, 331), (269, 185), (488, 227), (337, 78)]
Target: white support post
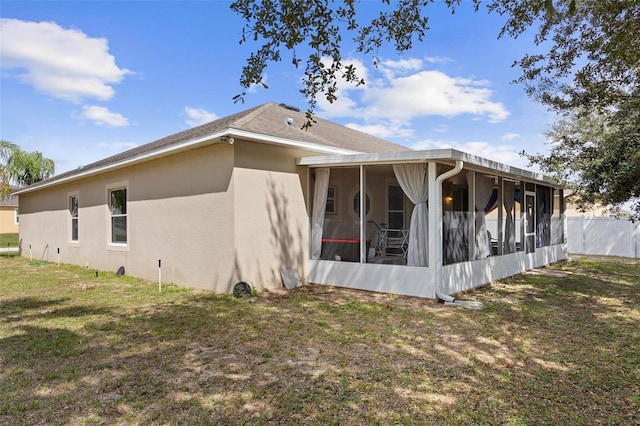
[(363, 216), (472, 216), (435, 218), (500, 216)]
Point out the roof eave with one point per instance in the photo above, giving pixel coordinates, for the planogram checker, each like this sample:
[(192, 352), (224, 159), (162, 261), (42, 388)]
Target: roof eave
[(276, 140), (209, 139), (425, 156)]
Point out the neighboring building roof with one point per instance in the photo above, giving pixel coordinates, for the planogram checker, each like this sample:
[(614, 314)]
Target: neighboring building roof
[(11, 200), (268, 123)]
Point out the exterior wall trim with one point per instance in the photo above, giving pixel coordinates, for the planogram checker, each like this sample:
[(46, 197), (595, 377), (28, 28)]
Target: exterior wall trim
[(111, 246), (420, 281), (73, 243)]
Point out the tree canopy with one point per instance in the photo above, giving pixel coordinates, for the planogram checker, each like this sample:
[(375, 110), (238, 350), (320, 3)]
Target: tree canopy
[(591, 77), (585, 65), (599, 154), (21, 168)]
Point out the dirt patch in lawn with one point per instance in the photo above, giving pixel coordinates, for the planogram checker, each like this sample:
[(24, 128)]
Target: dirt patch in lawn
[(555, 346)]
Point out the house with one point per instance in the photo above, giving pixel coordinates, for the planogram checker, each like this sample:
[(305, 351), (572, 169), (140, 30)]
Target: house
[(248, 196), (572, 209), (9, 214)]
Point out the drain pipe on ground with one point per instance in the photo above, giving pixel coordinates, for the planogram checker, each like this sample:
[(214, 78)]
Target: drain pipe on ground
[(440, 294)]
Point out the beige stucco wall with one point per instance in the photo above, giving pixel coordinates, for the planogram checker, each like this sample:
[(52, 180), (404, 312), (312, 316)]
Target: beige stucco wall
[(271, 226), (179, 210), (214, 215), (8, 220)]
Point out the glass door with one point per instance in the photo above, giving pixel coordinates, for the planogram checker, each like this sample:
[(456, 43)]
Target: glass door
[(530, 220)]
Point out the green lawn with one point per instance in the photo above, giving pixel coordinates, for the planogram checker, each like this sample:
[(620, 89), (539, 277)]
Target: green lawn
[(558, 346), (11, 239)]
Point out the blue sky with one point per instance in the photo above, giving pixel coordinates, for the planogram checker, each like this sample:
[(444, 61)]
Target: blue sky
[(84, 80)]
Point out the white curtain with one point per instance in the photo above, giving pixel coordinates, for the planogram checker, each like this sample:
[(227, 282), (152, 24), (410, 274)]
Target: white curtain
[(484, 190), (319, 208), (509, 223), (413, 181)]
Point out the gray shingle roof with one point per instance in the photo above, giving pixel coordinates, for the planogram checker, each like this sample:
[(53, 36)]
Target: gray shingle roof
[(270, 119), (11, 200)]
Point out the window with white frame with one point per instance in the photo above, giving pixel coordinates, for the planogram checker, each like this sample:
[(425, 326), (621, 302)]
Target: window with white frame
[(118, 210), (73, 211), (395, 207), (331, 200), (356, 204)]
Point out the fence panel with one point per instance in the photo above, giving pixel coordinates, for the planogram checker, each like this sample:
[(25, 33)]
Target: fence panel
[(603, 236)]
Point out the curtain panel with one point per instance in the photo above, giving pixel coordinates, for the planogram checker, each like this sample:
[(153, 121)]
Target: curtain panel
[(484, 190), (414, 183), (319, 207), (509, 202)]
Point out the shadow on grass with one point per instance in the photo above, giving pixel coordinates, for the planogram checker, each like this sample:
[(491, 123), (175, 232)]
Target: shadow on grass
[(17, 306), (561, 351)]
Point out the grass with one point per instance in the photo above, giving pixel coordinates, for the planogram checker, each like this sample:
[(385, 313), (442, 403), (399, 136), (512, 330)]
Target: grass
[(11, 239), (556, 346)]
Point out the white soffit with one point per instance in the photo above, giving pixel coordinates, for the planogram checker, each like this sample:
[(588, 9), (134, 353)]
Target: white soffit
[(275, 140)]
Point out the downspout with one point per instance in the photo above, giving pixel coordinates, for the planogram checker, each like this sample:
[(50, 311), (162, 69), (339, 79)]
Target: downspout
[(440, 294)]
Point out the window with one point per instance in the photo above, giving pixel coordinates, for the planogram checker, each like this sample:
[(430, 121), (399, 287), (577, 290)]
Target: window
[(16, 216), (73, 210), (356, 204), (118, 209), (331, 200), (395, 203)]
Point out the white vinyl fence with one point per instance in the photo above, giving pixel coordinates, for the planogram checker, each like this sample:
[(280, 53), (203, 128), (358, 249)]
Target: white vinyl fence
[(603, 236)]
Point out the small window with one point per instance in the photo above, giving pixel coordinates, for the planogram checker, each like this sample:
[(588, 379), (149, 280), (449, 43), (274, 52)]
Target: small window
[(118, 209), (331, 200), (73, 210), (16, 216), (356, 204), (395, 212)]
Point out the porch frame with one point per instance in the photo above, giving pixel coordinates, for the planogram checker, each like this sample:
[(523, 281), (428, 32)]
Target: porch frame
[(436, 278)]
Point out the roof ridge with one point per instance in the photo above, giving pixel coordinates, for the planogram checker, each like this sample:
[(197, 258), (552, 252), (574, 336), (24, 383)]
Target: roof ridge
[(250, 114), (268, 120)]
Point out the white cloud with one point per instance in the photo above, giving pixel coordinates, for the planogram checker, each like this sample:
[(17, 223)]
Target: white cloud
[(404, 92), (383, 130), (505, 154), (360, 70), (254, 87), (198, 116), (341, 107), (103, 117), (64, 63), (441, 128), (435, 93), (391, 69), (437, 59), (510, 136)]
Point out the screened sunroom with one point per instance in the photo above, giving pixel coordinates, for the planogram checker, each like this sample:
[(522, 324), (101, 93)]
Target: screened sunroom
[(430, 223)]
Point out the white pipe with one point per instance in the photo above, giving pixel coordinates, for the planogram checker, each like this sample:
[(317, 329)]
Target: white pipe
[(448, 299), (438, 196), (159, 275)]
